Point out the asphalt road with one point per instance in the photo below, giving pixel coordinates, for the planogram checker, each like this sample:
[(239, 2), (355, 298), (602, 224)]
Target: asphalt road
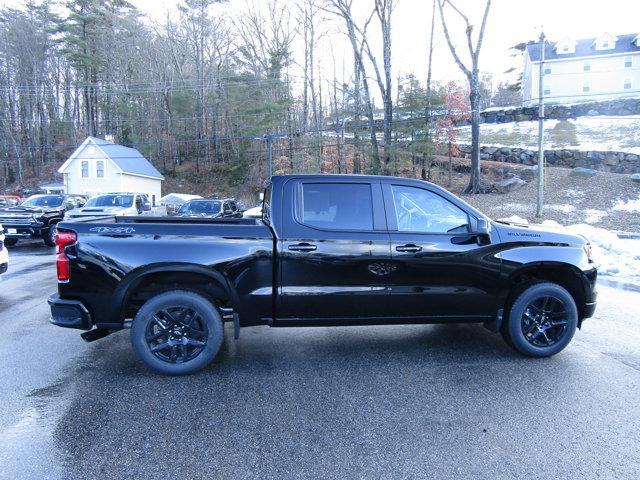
[(370, 402)]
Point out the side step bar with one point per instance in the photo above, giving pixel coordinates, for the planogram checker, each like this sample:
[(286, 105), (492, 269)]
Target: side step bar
[(95, 334)]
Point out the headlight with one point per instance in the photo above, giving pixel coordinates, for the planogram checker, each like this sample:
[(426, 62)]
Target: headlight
[(587, 251)]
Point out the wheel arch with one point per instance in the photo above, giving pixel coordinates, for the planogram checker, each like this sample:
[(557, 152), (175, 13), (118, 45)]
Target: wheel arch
[(566, 275), (210, 283)]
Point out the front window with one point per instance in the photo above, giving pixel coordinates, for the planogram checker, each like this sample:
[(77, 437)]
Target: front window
[(337, 206), (547, 70), (627, 84), (546, 91), (85, 169), (52, 201), (200, 208), (628, 63), (419, 210), (100, 169), (586, 88), (124, 201), (586, 67)]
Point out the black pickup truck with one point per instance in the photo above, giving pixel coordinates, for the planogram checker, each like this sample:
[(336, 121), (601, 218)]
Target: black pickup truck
[(329, 250), (36, 217)]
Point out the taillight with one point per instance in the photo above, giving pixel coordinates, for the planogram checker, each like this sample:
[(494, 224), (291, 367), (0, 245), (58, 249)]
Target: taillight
[(63, 239)]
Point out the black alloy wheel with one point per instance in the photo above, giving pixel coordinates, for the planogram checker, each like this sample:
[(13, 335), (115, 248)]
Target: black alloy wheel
[(541, 320), (544, 321), (177, 334)]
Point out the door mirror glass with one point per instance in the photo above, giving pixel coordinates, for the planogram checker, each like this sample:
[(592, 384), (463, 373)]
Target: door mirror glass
[(422, 211)]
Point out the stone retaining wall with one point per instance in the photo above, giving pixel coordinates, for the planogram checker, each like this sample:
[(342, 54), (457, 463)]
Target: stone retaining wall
[(619, 107), (606, 161)]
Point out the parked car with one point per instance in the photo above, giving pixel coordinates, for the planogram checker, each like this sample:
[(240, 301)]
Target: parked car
[(209, 208), (10, 200), (173, 201), (4, 255), (120, 204), (254, 212), (330, 250), (36, 217)]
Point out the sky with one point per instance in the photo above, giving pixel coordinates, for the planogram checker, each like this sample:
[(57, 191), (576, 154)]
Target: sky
[(510, 22)]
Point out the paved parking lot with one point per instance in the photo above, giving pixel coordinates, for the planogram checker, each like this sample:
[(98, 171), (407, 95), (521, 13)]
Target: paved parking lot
[(357, 402)]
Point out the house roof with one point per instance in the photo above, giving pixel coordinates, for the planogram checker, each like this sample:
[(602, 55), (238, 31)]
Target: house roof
[(52, 185), (129, 160), (584, 48)]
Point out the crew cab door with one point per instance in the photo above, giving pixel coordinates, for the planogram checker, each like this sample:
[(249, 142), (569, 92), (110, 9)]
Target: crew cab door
[(441, 268), (333, 252)]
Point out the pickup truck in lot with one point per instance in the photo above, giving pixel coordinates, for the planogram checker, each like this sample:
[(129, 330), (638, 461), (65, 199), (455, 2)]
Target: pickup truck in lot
[(328, 250)]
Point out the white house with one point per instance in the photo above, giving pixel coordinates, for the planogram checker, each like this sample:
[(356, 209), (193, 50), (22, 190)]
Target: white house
[(100, 166), (601, 68)]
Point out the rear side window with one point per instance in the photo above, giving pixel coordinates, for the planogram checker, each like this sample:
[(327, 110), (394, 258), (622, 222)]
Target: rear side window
[(337, 206)]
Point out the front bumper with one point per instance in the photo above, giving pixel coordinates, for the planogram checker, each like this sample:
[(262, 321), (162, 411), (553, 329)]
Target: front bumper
[(69, 313), (24, 231)]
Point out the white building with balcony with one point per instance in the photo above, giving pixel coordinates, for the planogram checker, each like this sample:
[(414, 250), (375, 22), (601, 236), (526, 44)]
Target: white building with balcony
[(602, 68)]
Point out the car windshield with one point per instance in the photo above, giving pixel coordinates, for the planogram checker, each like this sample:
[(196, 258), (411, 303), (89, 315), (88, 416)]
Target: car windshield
[(124, 201), (43, 201), (201, 207)]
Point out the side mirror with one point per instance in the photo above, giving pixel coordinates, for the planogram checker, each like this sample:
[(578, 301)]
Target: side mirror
[(483, 227)]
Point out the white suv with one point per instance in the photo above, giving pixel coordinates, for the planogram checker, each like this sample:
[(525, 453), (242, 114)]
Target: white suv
[(113, 204)]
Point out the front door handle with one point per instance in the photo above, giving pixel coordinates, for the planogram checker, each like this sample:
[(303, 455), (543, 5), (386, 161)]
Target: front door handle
[(302, 247), (409, 247)]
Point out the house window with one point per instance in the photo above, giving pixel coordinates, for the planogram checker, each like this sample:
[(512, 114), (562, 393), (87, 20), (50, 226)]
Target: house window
[(100, 169), (546, 91), (547, 70), (586, 88), (628, 62), (627, 84), (85, 169), (586, 67), (565, 49), (605, 45)]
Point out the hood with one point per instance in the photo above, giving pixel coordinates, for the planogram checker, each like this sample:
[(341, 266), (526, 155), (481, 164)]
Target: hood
[(97, 210), (510, 232), (20, 210)]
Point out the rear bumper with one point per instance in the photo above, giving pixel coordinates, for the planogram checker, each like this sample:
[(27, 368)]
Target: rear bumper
[(24, 231), (69, 313)]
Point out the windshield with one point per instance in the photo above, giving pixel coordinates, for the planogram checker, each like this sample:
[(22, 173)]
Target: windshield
[(201, 208), (124, 201), (43, 201)]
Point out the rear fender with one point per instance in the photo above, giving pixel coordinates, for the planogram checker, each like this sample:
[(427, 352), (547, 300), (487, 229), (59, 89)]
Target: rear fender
[(129, 283)]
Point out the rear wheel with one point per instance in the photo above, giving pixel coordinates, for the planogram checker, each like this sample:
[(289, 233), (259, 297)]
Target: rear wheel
[(177, 332), (542, 320)]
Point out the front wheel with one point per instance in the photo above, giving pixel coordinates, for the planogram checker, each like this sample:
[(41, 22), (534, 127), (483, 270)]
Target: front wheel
[(10, 242), (542, 320), (177, 332), (50, 236)]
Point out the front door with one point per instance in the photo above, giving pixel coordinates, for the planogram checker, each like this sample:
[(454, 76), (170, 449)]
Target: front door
[(440, 271), (334, 253)]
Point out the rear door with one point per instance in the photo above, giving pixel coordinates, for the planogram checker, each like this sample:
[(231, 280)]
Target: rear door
[(439, 269), (333, 252)]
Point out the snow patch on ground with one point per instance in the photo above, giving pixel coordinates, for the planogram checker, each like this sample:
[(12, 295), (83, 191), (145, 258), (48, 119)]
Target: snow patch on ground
[(592, 215), (616, 258), (564, 208), (628, 206)]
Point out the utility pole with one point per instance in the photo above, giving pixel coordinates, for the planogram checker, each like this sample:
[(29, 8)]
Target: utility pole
[(541, 129), (268, 137)]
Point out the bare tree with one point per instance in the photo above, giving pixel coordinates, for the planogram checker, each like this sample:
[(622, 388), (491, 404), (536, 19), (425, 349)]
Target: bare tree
[(472, 74)]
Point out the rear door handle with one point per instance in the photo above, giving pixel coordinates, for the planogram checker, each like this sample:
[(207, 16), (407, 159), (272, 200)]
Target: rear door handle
[(302, 247), (409, 247)]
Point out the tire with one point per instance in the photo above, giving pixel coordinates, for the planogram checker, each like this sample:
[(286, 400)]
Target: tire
[(10, 242), (50, 236), (184, 330), (542, 320)]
